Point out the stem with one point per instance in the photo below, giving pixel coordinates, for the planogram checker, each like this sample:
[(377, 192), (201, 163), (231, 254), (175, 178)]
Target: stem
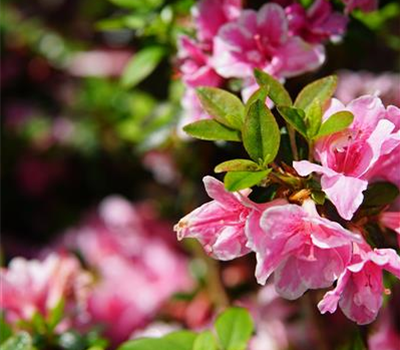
[(310, 151), (293, 145)]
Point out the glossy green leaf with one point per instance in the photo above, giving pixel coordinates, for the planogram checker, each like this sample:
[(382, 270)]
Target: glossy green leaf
[(225, 107), (294, 117), (259, 95), (181, 340), (277, 93), (261, 135), (321, 89), (205, 341), (234, 328), (211, 130), (237, 165), (314, 118), (335, 123), (239, 180), (20, 341), (142, 65), (379, 194)]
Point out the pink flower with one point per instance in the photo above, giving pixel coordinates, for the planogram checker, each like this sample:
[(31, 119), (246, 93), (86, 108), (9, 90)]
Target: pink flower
[(195, 64), (352, 84), (304, 250), (120, 242), (386, 336), (359, 289), (348, 157), (391, 220), (317, 24), (210, 15), (219, 224), (30, 286), (364, 5), (261, 40)]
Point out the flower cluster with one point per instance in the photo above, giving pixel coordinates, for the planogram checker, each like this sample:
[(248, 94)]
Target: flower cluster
[(231, 41), (124, 286), (313, 233)]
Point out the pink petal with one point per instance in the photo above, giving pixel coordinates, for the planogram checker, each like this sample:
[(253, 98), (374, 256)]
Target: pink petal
[(272, 24), (391, 220), (388, 259), (230, 244), (287, 280), (331, 299), (368, 111), (296, 57), (216, 190), (345, 192), (325, 268)]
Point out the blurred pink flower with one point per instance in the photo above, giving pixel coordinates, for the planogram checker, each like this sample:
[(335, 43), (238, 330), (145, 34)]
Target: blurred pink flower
[(162, 166), (359, 289), (195, 64), (210, 15), (353, 84), (318, 23), (219, 224), (363, 5), (304, 250), (30, 286), (349, 157), (135, 260), (261, 40), (386, 336)]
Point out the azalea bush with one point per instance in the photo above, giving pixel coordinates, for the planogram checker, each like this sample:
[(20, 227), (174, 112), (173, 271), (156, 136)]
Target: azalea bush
[(200, 175)]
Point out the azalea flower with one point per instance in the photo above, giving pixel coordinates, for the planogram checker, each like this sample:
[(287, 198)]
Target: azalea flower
[(195, 64), (210, 15), (219, 224), (34, 286), (120, 242), (317, 24), (261, 40), (352, 157), (304, 250), (360, 287)]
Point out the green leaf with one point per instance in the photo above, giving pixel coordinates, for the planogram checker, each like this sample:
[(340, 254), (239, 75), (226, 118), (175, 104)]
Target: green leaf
[(205, 341), (294, 117), (142, 65), (20, 341), (321, 89), (336, 122), (314, 118), (138, 4), (261, 135), (145, 344), (211, 130), (259, 95), (234, 328), (222, 105), (181, 340), (239, 180), (379, 194), (237, 165), (5, 329), (56, 315), (318, 197), (277, 93)]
